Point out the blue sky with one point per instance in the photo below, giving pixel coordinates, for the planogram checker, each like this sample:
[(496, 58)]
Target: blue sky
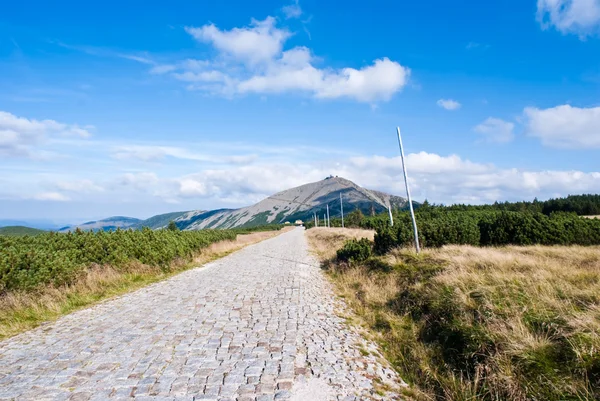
[(136, 108)]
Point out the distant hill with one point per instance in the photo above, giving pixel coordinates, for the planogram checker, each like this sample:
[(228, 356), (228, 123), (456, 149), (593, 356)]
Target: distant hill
[(14, 231), (295, 203), (111, 223), (159, 221), (41, 224), (299, 203)]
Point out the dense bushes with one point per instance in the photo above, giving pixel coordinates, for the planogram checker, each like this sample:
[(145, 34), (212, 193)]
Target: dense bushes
[(439, 227), (583, 205), (356, 250), (27, 262), (266, 227)]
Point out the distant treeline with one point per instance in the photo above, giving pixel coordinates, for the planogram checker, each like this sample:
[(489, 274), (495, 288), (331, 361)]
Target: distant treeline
[(439, 227), (551, 222), (583, 205)]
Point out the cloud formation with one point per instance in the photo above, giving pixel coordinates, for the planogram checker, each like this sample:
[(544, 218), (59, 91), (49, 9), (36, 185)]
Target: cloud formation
[(157, 153), (292, 11), (580, 17), (440, 178), (261, 41), (51, 196), (449, 104), (19, 136), (565, 126), (496, 130), (252, 59)]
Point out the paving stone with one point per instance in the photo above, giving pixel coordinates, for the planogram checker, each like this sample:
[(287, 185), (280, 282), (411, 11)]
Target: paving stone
[(253, 326)]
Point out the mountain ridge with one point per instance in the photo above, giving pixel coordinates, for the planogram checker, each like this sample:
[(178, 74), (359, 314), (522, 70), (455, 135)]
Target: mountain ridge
[(298, 203)]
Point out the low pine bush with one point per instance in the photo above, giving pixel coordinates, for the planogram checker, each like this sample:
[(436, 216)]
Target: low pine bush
[(57, 259), (439, 227), (355, 250)]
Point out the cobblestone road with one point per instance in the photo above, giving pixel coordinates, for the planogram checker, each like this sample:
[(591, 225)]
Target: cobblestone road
[(256, 325)]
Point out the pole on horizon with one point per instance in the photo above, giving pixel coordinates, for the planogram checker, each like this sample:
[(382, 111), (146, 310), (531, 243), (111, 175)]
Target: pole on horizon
[(342, 209), (315, 217), (391, 218), (328, 221), (412, 212)]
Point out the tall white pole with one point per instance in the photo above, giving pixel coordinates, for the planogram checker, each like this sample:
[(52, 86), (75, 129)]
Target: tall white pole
[(328, 221), (342, 209), (391, 218), (315, 217), (412, 212)]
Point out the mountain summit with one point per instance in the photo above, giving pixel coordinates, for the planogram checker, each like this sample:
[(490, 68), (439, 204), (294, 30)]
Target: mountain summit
[(296, 203)]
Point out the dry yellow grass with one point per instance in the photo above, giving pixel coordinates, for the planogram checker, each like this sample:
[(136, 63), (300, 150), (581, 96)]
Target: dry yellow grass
[(326, 241), (592, 217), (20, 311), (535, 308)]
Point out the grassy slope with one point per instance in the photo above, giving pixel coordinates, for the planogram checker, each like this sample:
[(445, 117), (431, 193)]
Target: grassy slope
[(159, 221), (21, 311), (518, 323), (20, 230)]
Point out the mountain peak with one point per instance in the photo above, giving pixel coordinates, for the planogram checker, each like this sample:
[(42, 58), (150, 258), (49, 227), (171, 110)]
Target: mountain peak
[(301, 203)]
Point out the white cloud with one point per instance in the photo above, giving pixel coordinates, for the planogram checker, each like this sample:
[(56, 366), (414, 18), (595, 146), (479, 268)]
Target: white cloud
[(496, 130), (51, 196), (449, 104), (451, 179), (295, 72), (156, 153), (191, 188), (262, 41), (252, 60), (292, 10), (150, 153), (447, 179), (581, 17), (565, 126), (19, 135), (439, 178)]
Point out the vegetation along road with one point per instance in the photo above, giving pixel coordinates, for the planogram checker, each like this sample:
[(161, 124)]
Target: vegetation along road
[(259, 324)]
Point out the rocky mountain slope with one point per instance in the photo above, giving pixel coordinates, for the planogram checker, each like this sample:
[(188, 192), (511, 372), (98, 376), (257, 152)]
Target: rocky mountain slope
[(295, 203), (299, 203)]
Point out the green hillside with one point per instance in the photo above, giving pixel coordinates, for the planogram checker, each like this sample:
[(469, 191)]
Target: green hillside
[(15, 231), (159, 221)]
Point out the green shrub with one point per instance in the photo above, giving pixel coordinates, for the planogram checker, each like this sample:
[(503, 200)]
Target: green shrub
[(444, 226), (385, 240), (355, 250), (57, 259)]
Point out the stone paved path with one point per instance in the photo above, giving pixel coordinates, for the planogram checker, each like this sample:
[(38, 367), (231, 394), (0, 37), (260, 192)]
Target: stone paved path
[(256, 325)]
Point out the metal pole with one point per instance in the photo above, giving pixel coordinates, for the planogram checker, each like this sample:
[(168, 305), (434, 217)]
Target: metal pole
[(412, 212), (315, 217), (328, 221), (342, 209), (391, 218)]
